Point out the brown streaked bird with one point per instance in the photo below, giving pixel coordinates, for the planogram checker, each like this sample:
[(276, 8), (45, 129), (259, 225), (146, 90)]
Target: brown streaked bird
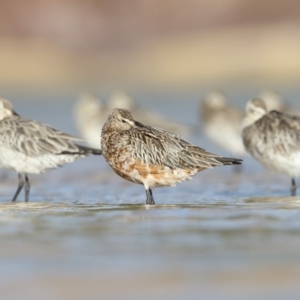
[(30, 147), (152, 156), (273, 138)]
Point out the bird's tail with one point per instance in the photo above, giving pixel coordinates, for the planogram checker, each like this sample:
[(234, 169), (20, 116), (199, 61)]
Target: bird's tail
[(84, 150), (95, 151), (229, 161), (89, 150)]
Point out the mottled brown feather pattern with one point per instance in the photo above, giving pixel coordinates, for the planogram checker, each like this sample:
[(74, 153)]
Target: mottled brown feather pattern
[(152, 156)]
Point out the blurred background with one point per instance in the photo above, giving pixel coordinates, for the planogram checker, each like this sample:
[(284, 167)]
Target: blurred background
[(86, 233), (64, 44)]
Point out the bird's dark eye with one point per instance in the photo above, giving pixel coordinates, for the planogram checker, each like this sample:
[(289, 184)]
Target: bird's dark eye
[(123, 121)]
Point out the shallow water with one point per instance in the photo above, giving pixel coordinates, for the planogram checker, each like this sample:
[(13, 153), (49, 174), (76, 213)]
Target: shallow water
[(87, 234)]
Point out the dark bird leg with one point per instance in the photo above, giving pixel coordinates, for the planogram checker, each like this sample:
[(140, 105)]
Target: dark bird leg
[(293, 187), (150, 200), (27, 188), (21, 184)]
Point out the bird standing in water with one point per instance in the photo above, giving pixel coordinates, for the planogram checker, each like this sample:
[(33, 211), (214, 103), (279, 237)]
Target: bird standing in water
[(30, 147), (152, 156), (273, 138)]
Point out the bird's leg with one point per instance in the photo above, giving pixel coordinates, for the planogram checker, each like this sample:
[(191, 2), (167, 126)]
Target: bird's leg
[(20, 186), (293, 187), (150, 200), (27, 188)]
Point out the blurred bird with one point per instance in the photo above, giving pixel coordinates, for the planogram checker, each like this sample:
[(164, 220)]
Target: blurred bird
[(123, 100), (30, 147), (275, 101), (222, 122), (152, 156), (90, 114), (273, 138)]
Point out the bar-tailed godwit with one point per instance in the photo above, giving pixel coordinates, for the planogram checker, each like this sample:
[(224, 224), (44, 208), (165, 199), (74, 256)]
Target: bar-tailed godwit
[(152, 156)]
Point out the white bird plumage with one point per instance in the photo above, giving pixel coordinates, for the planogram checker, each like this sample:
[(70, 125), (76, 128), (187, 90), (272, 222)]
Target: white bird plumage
[(273, 138), (222, 122), (90, 114), (30, 147)]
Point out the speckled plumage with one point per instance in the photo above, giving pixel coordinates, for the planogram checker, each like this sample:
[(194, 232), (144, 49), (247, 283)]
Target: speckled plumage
[(30, 147), (273, 138), (152, 156)]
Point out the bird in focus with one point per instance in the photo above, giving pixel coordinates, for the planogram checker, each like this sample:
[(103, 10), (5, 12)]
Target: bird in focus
[(152, 156)]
